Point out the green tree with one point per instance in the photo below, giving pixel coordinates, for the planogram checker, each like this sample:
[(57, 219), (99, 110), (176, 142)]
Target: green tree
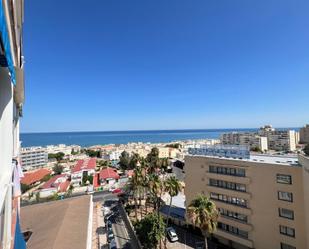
[(156, 190), (202, 212), (172, 186), (306, 150), (164, 164), (124, 160), (24, 187), (153, 160), (134, 161), (58, 169), (58, 156), (135, 185), (175, 145), (150, 230)]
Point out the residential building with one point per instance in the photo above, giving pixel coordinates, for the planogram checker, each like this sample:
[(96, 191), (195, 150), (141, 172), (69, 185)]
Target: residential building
[(34, 177), (59, 224), (57, 184), (11, 105), (66, 149), (164, 152), (82, 168), (252, 140), (304, 134), (33, 157), (108, 176), (263, 200)]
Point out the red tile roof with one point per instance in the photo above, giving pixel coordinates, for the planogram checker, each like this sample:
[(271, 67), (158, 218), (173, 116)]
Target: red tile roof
[(84, 165), (108, 173), (64, 186), (51, 182), (96, 180), (34, 176)]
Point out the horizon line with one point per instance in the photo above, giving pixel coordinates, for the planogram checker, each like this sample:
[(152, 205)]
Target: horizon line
[(186, 129)]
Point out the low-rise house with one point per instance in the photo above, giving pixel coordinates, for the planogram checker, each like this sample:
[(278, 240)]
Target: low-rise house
[(33, 177), (57, 184), (108, 176), (82, 168)]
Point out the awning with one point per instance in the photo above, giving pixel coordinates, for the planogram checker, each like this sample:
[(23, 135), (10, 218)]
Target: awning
[(6, 43)]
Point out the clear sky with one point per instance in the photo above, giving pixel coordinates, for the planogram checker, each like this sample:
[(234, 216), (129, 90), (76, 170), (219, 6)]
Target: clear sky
[(165, 64)]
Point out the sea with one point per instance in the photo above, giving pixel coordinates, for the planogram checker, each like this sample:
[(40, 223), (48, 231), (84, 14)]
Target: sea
[(86, 139)]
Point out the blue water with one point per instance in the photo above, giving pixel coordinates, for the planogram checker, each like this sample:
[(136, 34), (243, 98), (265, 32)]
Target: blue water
[(119, 137)]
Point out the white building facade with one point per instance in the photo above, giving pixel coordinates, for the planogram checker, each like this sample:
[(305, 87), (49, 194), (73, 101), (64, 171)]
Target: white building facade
[(33, 157)]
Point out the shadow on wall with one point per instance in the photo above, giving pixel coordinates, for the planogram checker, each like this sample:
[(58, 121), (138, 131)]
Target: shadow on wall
[(5, 90)]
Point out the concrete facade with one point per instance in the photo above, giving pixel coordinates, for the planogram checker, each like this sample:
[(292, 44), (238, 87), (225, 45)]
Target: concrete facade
[(304, 134), (34, 157), (249, 193)]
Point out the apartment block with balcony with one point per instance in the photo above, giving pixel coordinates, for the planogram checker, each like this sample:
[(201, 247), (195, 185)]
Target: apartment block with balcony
[(33, 157), (262, 199)]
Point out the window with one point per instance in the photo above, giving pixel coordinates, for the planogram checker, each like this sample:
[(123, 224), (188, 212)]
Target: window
[(285, 196), (233, 215), (233, 230), (288, 231), (286, 213), (227, 171), (228, 199), (227, 185), (285, 179), (286, 246)]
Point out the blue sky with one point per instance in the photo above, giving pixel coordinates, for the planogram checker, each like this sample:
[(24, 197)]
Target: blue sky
[(123, 65)]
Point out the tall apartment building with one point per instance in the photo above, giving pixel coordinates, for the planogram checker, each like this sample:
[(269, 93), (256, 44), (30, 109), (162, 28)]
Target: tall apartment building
[(263, 200), (267, 138), (11, 101), (33, 157), (249, 139), (279, 139), (304, 134)]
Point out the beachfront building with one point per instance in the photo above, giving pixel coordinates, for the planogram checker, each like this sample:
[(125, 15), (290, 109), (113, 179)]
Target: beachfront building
[(252, 140), (263, 200), (82, 169), (66, 149), (11, 102), (33, 157), (304, 134)]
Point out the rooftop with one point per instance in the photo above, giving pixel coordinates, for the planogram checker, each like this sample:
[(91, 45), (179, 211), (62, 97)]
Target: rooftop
[(262, 158), (34, 176), (84, 165), (58, 224), (108, 173)]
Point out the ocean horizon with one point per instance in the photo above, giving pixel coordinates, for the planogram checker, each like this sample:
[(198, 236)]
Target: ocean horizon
[(89, 138)]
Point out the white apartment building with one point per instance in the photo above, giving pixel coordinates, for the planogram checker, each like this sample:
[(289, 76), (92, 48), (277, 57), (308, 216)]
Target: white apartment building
[(250, 139), (304, 134), (11, 103), (66, 149), (33, 157)]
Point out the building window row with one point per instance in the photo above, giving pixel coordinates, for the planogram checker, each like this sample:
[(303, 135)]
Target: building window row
[(228, 199), (227, 185), (288, 231), (233, 230), (233, 215), (227, 171), (284, 179), (285, 196), (286, 246), (286, 213)]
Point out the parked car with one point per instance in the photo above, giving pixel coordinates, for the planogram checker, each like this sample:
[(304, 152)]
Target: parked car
[(107, 217), (199, 245), (112, 188), (117, 191), (171, 234)]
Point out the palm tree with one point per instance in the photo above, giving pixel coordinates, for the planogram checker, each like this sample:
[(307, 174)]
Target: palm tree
[(202, 212), (173, 187), (136, 185), (156, 189)]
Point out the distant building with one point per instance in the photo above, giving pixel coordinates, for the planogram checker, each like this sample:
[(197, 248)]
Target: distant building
[(82, 168), (33, 157), (108, 176), (263, 200), (267, 138), (304, 134), (252, 140), (66, 149)]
